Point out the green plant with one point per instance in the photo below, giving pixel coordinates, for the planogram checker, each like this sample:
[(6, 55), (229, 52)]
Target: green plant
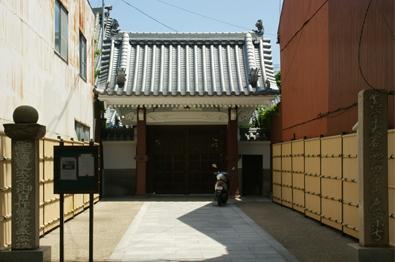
[(97, 52), (264, 117), (97, 72), (277, 76)]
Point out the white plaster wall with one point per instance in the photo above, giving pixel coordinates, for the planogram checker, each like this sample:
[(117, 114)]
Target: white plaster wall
[(119, 154), (30, 71), (256, 148)]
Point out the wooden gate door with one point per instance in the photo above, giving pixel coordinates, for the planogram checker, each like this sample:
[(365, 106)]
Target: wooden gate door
[(166, 160), (180, 158), (206, 146)]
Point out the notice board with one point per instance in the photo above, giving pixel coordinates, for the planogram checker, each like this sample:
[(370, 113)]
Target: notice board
[(76, 169)]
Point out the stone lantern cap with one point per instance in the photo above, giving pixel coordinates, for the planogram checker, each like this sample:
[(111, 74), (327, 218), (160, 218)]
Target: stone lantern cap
[(25, 115), (25, 127)]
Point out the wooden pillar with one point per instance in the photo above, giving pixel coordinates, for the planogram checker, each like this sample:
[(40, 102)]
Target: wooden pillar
[(141, 151), (232, 153), (100, 121), (99, 125)]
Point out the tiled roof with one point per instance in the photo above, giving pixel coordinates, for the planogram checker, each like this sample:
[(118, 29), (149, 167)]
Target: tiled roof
[(185, 64)]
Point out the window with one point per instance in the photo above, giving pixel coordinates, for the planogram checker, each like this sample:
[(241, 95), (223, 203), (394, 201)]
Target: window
[(82, 131), (61, 27), (82, 56)]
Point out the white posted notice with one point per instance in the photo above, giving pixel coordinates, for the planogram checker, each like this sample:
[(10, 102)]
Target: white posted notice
[(68, 168), (86, 165)]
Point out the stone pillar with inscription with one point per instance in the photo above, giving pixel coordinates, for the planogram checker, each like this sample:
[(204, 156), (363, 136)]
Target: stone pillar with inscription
[(373, 177), (25, 135)]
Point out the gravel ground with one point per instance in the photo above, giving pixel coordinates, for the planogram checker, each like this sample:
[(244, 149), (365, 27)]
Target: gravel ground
[(305, 238)]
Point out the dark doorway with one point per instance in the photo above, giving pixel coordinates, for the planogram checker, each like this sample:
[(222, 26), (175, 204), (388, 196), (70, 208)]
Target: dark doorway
[(252, 174), (180, 158)]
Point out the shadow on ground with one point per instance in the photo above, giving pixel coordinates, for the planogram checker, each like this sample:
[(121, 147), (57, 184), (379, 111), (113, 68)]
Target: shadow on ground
[(240, 237), (305, 238)]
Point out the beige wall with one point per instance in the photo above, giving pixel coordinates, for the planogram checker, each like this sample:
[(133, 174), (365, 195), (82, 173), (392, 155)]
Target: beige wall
[(30, 71), (256, 148), (119, 154)]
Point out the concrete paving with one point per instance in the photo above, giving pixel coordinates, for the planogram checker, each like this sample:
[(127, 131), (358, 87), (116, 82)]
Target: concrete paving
[(111, 220), (196, 231)]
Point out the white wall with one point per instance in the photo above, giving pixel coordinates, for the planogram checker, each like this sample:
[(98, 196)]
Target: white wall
[(256, 148), (119, 154), (30, 71)]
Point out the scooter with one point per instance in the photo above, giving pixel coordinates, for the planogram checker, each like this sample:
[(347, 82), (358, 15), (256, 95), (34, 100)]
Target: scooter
[(221, 186)]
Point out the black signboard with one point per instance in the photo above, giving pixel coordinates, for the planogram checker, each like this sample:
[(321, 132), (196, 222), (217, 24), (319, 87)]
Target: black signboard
[(76, 169)]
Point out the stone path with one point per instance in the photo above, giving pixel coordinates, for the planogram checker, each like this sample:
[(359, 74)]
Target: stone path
[(196, 231)]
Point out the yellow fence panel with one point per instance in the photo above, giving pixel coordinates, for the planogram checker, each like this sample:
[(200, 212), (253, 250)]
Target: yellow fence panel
[(320, 176), (286, 174), (51, 213), (78, 203), (350, 193), (313, 206), (86, 200), (286, 179), (298, 164), (391, 183), (313, 185), (350, 185), (277, 193), (332, 213), (68, 206), (350, 220), (298, 181), (298, 175), (277, 150), (331, 188), (277, 163), (41, 185), (277, 177), (286, 164), (313, 147), (286, 196), (5, 191), (350, 169), (313, 157), (331, 167), (298, 200), (331, 146), (331, 181), (313, 166)]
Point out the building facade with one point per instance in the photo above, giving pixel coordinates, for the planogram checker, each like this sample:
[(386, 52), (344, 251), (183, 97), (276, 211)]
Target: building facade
[(327, 49), (185, 94), (47, 52)]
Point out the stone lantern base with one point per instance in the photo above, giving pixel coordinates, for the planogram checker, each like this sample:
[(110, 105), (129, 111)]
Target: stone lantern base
[(42, 254), (368, 254)]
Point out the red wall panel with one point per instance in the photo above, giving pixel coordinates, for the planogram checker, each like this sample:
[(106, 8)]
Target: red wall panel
[(377, 56), (304, 68), (319, 67)]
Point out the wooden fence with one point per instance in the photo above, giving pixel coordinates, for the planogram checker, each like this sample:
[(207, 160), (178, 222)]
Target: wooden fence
[(319, 177), (49, 202)]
